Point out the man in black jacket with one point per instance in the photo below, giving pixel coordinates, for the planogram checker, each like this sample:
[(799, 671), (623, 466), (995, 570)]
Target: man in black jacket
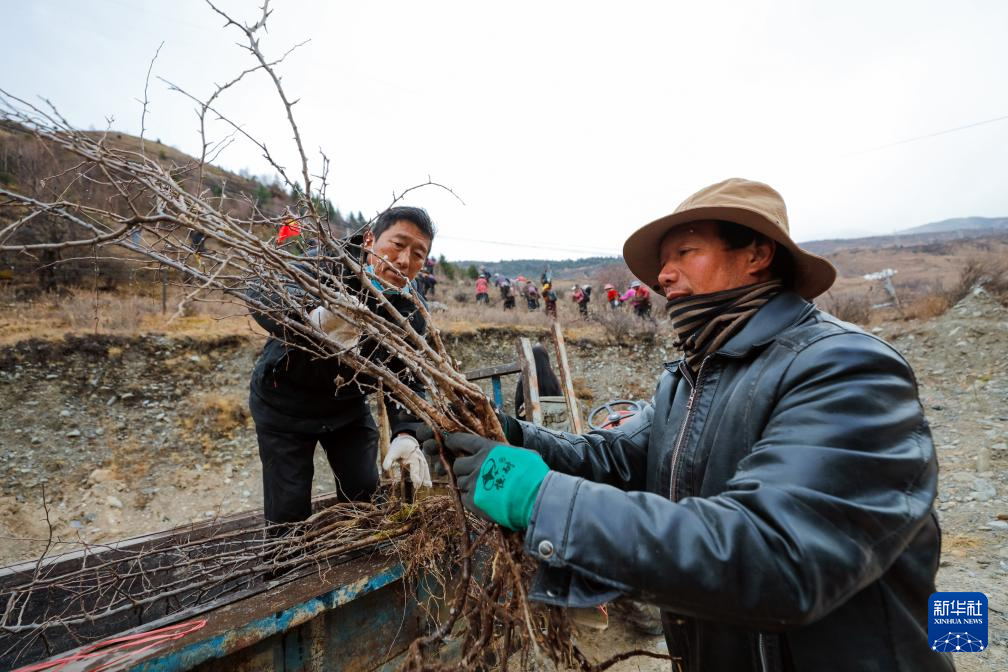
[(299, 400), (775, 500)]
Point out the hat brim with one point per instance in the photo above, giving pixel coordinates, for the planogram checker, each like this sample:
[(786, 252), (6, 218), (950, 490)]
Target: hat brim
[(813, 275)]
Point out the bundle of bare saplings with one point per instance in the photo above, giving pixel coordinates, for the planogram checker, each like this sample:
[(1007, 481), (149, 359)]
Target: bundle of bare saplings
[(156, 212)]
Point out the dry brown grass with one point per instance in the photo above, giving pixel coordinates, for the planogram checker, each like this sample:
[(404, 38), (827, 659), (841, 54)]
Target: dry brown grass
[(123, 312), (623, 326), (962, 545), (849, 306), (927, 307), (923, 270), (465, 317), (129, 458), (210, 417), (582, 390), (989, 271), (136, 309)]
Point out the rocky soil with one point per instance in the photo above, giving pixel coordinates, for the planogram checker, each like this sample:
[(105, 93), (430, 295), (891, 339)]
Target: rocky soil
[(961, 361), (105, 437)]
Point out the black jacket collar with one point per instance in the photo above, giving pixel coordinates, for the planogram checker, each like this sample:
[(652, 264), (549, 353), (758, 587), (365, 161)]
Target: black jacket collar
[(780, 312)]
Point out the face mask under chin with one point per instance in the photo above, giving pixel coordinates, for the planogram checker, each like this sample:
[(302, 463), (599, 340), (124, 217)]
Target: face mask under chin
[(382, 287)]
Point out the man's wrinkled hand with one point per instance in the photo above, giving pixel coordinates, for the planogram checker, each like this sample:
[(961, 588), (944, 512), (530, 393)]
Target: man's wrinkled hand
[(405, 450)]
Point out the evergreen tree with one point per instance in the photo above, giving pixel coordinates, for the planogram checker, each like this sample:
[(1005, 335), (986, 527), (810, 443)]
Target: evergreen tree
[(472, 272), (446, 268)]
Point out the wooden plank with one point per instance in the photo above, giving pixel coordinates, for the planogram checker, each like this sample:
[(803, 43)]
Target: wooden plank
[(566, 379), (384, 429), (490, 371), (530, 381)]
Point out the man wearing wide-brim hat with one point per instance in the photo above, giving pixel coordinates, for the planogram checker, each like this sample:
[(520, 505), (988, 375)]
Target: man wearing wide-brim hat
[(775, 500)]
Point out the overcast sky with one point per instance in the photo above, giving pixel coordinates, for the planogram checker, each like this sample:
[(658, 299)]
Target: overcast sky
[(566, 125)]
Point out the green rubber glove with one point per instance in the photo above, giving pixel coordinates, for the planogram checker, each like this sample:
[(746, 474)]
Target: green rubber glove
[(499, 483)]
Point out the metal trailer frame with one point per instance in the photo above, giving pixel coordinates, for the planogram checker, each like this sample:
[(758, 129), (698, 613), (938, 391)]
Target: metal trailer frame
[(358, 613)]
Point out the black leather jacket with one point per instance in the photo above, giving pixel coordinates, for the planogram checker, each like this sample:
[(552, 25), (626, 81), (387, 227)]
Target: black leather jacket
[(779, 510), (300, 392)]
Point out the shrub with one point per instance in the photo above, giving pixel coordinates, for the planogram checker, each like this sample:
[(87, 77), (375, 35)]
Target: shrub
[(263, 194), (927, 306), (989, 272), (447, 268), (623, 326), (848, 307)]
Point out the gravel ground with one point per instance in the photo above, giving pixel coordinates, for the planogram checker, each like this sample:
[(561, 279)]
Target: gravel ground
[(961, 360)]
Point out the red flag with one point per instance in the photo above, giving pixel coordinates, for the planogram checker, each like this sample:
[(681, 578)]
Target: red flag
[(289, 230)]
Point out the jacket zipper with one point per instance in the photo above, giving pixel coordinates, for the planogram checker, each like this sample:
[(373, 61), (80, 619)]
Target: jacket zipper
[(694, 393), (762, 653)]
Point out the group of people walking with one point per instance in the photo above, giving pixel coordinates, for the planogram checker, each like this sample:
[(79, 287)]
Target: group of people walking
[(520, 288), (637, 296)]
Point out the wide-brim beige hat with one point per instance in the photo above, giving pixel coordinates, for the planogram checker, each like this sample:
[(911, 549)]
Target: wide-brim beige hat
[(751, 204)]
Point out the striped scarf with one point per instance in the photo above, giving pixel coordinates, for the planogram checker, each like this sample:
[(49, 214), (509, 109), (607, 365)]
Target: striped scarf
[(705, 322)]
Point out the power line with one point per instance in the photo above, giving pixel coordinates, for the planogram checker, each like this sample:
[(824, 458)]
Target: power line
[(579, 250), (929, 135)]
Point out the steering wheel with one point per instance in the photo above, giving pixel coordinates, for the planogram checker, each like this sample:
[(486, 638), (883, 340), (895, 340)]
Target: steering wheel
[(616, 411)]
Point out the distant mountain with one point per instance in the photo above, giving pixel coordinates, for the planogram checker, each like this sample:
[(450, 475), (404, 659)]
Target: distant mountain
[(958, 224), (926, 234), (905, 238)]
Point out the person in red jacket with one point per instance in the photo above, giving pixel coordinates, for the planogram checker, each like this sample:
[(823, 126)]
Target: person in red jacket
[(612, 296), (641, 299), (481, 290)]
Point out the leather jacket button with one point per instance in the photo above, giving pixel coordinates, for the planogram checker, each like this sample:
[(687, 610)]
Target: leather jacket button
[(545, 548)]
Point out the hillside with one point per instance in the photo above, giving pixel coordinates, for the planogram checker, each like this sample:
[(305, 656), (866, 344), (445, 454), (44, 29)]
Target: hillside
[(36, 168), (938, 238), (33, 167)]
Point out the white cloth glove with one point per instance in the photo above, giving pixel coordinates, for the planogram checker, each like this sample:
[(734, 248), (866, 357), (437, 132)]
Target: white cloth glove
[(341, 330), (404, 449)]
